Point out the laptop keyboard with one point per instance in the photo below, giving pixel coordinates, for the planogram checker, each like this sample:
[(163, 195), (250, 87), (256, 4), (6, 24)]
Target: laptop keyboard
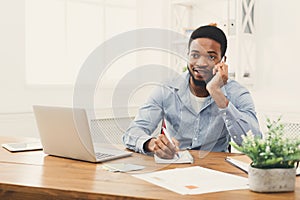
[(102, 155)]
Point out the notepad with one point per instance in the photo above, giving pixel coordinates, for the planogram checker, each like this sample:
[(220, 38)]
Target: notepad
[(184, 157), (243, 162)]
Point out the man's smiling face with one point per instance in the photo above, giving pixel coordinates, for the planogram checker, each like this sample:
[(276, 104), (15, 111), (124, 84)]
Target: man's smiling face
[(204, 53)]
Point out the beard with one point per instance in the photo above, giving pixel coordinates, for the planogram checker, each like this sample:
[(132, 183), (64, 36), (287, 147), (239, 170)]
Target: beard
[(198, 82)]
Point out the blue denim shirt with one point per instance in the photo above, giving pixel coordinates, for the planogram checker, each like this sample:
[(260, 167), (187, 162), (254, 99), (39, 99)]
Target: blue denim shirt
[(211, 129)]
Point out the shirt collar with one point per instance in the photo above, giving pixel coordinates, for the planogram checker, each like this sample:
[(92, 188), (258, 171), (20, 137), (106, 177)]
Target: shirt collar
[(181, 85), (180, 82)]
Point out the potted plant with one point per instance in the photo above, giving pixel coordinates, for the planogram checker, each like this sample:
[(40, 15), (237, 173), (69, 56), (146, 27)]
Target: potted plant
[(274, 159)]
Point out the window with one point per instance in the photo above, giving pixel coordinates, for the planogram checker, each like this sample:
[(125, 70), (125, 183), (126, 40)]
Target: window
[(60, 34)]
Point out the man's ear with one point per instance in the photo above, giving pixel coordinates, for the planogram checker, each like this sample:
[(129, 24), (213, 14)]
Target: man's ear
[(224, 58)]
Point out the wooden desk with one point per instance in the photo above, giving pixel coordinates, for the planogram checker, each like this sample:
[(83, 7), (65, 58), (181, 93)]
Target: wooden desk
[(34, 175)]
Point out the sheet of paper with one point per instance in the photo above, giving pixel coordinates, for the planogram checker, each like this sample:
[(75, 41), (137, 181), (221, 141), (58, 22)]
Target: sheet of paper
[(184, 157), (195, 180), (121, 167)]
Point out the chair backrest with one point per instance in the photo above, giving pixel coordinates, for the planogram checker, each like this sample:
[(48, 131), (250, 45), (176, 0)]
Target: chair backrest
[(292, 130), (291, 122), (109, 130)]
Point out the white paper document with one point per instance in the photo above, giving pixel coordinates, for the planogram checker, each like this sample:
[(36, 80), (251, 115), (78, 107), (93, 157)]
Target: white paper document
[(195, 180), (184, 157)]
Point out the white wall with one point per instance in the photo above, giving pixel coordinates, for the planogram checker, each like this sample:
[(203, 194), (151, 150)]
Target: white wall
[(12, 46), (276, 77), (12, 51), (16, 116), (17, 98), (276, 88)]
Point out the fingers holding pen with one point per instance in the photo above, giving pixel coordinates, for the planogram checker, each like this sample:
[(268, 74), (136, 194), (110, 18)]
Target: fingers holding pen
[(164, 148)]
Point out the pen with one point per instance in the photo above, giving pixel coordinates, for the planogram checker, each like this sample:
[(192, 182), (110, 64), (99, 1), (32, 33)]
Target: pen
[(166, 133)]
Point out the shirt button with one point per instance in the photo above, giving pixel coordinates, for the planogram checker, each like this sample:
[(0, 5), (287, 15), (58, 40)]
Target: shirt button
[(226, 121), (195, 139), (224, 113), (234, 136)]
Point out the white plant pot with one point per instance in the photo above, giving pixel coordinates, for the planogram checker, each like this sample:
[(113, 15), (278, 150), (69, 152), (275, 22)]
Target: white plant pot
[(272, 180)]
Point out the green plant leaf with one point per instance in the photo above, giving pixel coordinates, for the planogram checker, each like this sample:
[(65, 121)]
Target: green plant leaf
[(272, 151)]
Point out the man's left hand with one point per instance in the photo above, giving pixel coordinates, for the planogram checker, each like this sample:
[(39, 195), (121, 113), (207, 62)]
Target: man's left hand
[(220, 78), (220, 72)]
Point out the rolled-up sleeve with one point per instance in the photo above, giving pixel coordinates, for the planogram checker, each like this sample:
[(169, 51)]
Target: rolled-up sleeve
[(145, 123), (240, 117)]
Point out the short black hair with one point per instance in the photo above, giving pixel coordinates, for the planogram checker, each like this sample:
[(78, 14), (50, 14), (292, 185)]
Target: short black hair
[(211, 32)]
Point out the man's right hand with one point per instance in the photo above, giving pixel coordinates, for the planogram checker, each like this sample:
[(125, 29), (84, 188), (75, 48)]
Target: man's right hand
[(162, 147)]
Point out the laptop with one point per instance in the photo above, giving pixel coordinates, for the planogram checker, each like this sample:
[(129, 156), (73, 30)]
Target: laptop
[(65, 132)]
